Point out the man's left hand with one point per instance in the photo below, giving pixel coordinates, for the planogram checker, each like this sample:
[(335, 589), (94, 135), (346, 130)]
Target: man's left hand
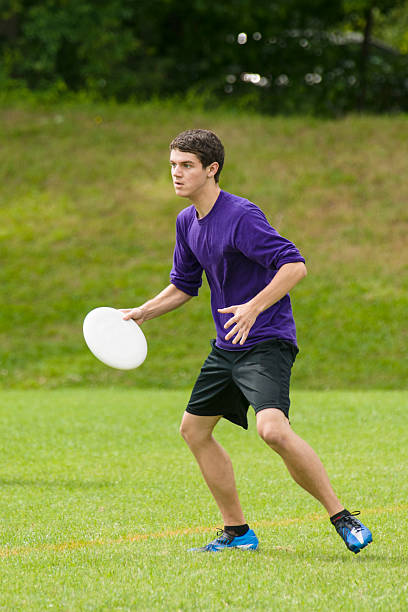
[(244, 316)]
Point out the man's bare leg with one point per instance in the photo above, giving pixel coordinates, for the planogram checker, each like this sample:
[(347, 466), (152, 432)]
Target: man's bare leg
[(301, 460), (214, 463)]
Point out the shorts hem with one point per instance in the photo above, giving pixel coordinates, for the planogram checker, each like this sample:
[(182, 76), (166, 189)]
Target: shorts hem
[(269, 405), (241, 421), (199, 412)]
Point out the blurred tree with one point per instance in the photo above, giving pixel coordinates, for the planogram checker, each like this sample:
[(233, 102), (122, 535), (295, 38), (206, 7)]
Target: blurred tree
[(277, 56), (362, 12), (392, 28), (324, 61), (70, 41)]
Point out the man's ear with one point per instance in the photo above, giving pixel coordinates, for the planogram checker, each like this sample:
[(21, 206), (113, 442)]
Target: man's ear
[(213, 169)]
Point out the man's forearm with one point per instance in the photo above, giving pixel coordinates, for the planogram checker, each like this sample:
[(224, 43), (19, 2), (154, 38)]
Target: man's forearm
[(284, 280), (167, 300)]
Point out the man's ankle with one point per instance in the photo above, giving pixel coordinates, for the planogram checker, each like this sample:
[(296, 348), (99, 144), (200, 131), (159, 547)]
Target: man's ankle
[(236, 530)]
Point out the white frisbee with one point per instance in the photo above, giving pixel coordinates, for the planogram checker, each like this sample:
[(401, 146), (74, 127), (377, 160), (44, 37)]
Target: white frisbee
[(117, 343)]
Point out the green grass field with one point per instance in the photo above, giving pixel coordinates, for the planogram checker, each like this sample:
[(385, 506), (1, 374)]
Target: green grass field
[(100, 498), (87, 218)]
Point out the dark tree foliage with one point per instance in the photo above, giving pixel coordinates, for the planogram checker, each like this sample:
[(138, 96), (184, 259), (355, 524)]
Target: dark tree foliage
[(281, 56)]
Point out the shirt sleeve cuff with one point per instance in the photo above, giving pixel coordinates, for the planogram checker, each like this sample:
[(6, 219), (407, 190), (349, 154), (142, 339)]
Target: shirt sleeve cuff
[(193, 291), (285, 260)]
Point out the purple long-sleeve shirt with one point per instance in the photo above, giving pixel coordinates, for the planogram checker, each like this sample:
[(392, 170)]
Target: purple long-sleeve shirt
[(240, 253)]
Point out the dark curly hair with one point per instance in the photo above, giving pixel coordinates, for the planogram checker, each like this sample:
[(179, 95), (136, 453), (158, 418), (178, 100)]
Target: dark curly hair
[(203, 143)]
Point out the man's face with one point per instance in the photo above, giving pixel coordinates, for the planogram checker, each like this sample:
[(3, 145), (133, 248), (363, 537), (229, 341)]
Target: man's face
[(188, 174)]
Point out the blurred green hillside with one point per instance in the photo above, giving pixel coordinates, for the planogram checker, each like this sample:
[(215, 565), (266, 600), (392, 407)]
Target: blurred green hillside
[(88, 219)]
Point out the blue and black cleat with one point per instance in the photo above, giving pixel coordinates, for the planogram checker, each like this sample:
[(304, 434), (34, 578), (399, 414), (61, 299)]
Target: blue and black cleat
[(356, 536), (225, 540)]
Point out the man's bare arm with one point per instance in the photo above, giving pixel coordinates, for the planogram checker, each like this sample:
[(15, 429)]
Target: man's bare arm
[(244, 315), (167, 300), (285, 279)]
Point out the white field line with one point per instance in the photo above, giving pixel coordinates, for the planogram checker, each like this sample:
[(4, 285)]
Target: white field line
[(169, 533)]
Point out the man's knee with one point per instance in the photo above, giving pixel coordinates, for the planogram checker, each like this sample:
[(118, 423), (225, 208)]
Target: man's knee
[(274, 431), (196, 430), (188, 433)]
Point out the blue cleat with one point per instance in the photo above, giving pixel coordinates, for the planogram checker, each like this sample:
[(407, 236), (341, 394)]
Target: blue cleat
[(355, 535), (224, 540)]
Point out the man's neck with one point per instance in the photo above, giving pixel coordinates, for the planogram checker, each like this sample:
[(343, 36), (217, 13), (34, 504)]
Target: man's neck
[(205, 200)]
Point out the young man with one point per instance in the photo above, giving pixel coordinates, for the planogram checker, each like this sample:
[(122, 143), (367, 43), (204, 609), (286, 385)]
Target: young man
[(250, 270)]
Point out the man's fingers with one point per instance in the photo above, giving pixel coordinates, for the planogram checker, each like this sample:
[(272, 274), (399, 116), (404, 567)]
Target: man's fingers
[(131, 313), (240, 321), (233, 319), (232, 332), (240, 337), (126, 312), (227, 309), (230, 322), (239, 331)]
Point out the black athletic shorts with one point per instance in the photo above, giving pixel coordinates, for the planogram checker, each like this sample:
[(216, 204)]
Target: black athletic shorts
[(230, 381)]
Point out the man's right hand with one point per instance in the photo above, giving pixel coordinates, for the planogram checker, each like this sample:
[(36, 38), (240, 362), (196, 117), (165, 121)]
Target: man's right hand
[(137, 314), (168, 299)]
